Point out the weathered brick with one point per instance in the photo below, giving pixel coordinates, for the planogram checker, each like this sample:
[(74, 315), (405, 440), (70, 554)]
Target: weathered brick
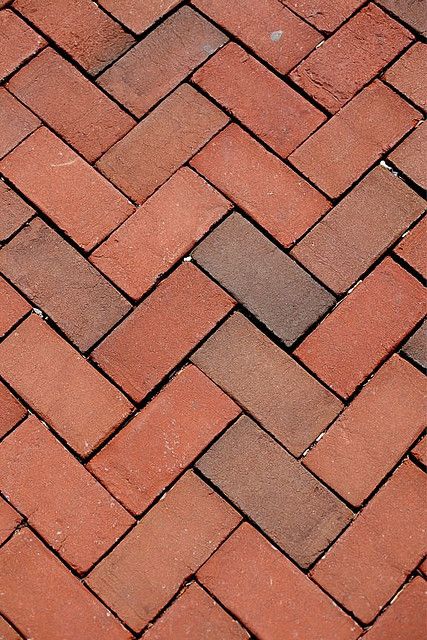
[(158, 63), (14, 212), (85, 32), (17, 122), (6, 631), (9, 521), (271, 597), (336, 155), (416, 346), (267, 382), (412, 248), (420, 453), (179, 126), (263, 278), (258, 182), (11, 410), (168, 324), (68, 190), (163, 439), (57, 279), (374, 556), (69, 103), (13, 307), (35, 586), (259, 99), (174, 538), (325, 15), (409, 157), (160, 232), (413, 13), (340, 248), (66, 505), (18, 42), (373, 433), (65, 390), (362, 331), (138, 15), (408, 72)]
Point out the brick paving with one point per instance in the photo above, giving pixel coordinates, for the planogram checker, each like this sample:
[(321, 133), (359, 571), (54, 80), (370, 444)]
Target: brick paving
[(212, 334)]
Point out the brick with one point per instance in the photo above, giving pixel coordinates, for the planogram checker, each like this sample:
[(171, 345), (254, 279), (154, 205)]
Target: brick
[(274, 288), (13, 307), (373, 433), (157, 64), (412, 248), (9, 521), (195, 615), (409, 156), (163, 439), (161, 232), (407, 74), (175, 537), (85, 32), (168, 324), (73, 513), (17, 122), (349, 59), (420, 453), (349, 239), (11, 410), (259, 99), (336, 155), (14, 212), (291, 506), (35, 586), (138, 15), (413, 13), (325, 15), (258, 182), (365, 328), (372, 558), (416, 346), (17, 41), (68, 190), (64, 389), (266, 29), (267, 382), (6, 631), (271, 597), (70, 104), (57, 279), (179, 126)]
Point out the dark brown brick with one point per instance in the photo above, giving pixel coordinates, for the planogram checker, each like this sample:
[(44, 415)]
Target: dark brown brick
[(416, 346), (413, 12)]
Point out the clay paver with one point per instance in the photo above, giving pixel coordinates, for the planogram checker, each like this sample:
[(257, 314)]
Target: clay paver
[(6, 631), (9, 521), (13, 307), (11, 410), (412, 247), (14, 212), (325, 15), (18, 42), (407, 74), (413, 13), (17, 122), (420, 452), (416, 346), (138, 15), (409, 156)]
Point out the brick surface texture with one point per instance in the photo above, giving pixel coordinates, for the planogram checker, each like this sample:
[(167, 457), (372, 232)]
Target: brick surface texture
[(213, 343)]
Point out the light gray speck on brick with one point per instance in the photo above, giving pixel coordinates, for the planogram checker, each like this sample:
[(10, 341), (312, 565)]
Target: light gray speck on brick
[(276, 35)]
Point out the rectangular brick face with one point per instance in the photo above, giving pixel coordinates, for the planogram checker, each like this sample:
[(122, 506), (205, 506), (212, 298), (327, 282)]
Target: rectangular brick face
[(9, 521), (287, 502), (362, 331), (267, 383), (14, 211), (175, 537), (17, 122), (65, 504), (137, 15), (68, 190), (11, 412), (13, 307), (325, 15), (412, 248), (18, 42), (48, 374), (409, 156), (406, 74)]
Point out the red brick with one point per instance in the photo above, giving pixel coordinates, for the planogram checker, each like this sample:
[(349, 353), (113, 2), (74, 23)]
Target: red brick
[(138, 15), (268, 28), (163, 439), (45, 600), (258, 98), (416, 346), (9, 521), (66, 505), (17, 122), (361, 332), (336, 155), (18, 42), (158, 63), (357, 52), (258, 182), (409, 157), (267, 382), (412, 248), (420, 451), (11, 411), (71, 105), (413, 13), (179, 126), (64, 389), (160, 232), (6, 631), (14, 212), (68, 190), (58, 280), (271, 597), (373, 433), (374, 556), (150, 342), (325, 15), (340, 248), (13, 307), (408, 72), (175, 537), (85, 32)]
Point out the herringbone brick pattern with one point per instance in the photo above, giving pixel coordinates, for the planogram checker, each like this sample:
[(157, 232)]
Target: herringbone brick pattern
[(212, 252)]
